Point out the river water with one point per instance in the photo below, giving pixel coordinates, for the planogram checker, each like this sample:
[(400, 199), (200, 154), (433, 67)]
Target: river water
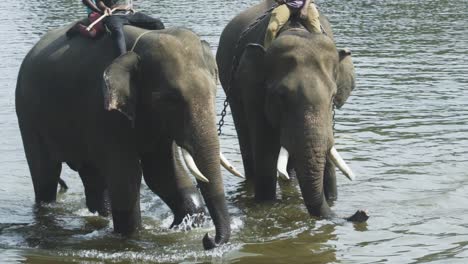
[(404, 131)]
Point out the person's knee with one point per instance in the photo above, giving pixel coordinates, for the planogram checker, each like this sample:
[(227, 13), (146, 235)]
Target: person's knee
[(154, 24), (273, 28), (312, 12), (142, 20), (158, 24)]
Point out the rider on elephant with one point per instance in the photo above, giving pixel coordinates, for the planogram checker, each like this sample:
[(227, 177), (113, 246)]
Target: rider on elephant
[(94, 13), (124, 15), (280, 15)]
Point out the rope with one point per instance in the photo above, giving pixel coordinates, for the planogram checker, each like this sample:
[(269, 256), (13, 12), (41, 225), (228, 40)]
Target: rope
[(138, 39)]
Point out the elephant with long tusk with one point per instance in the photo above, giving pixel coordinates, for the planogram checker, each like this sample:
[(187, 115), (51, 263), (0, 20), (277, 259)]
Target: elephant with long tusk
[(115, 119), (335, 157), (192, 167), (282, 100)]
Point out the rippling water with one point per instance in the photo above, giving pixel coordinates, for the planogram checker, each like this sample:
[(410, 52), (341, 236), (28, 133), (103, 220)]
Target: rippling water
[(404, 131)]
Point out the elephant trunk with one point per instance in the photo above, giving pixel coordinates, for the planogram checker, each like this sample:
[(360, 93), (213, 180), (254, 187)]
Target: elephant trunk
[(310, 168), (310, 153), (311, 156), (205, 147)]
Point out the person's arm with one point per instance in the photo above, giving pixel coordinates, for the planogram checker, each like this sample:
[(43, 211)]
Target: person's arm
[(304, 9), (90, 4), (102, 6)]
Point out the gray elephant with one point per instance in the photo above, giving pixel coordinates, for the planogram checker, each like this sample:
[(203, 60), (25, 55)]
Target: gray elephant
[(282, 104), (163, 92)]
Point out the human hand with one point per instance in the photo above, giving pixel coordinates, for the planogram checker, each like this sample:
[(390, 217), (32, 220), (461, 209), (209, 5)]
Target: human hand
[(107, 11)]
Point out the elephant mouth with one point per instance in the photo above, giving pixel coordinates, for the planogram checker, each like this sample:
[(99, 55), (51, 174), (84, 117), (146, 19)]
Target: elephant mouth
[(335, 157)]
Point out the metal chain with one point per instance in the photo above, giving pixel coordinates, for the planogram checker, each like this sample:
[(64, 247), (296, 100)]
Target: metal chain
[(235, 64)]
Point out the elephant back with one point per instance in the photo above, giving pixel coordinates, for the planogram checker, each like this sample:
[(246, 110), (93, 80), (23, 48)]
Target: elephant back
[(240, 31), (249, 27)]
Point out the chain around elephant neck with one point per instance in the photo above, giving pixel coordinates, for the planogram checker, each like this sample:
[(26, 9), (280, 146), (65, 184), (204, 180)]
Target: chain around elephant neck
[(235, 64)]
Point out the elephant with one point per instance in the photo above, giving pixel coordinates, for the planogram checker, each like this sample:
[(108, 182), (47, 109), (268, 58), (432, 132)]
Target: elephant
[(282, 101), (113, 119)]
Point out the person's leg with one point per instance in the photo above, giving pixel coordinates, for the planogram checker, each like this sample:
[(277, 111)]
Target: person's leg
[(139, 19), (99, 27), (312, 22), (75, 29), (115, 25), (85, 33), (279, 16)]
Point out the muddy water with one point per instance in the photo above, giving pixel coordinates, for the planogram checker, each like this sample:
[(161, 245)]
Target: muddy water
[(404, 131)]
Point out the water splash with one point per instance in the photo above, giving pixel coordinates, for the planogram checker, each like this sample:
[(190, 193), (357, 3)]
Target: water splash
[(190, 222)]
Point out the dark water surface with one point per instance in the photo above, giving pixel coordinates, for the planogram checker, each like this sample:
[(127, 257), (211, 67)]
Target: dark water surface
[(404, 131)]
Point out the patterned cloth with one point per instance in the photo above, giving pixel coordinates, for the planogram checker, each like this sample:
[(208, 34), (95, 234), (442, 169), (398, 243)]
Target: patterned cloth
[(111, 3), (297, 4)]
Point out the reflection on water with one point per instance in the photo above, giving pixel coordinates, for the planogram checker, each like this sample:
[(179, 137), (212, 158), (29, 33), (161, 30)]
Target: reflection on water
[(404, 131)]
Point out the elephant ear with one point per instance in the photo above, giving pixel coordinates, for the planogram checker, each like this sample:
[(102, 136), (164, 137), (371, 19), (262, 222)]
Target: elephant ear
[(210, 61), (120, 92), (250, 72), (346, 78), (250, 77)]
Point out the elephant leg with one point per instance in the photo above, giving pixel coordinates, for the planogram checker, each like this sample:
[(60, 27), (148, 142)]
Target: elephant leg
[(123, 175), (243, 137), (97, 196), (45, 171), (265, 155), (329, 182), (165, 176)]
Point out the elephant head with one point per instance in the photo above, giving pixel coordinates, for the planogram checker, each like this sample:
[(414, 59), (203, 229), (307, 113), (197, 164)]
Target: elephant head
[(299, 79), (166, 87)]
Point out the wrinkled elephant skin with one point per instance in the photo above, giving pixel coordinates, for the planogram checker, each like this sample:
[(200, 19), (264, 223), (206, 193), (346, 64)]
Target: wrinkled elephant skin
[(114, 119), (282, 99)]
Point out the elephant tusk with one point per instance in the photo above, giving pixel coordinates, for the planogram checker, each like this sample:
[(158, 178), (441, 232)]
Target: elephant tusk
[(192, 166), (282, 163), (341, 164), (229, 167)]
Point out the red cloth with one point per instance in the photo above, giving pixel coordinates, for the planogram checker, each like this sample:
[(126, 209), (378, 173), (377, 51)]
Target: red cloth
[(96, 30), (99, 27)]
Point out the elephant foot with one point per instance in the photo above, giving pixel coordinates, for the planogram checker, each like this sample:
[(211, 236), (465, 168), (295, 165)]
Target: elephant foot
[(359, 217), (210, 243), (331, 199), (126, 223), (99, 203)]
